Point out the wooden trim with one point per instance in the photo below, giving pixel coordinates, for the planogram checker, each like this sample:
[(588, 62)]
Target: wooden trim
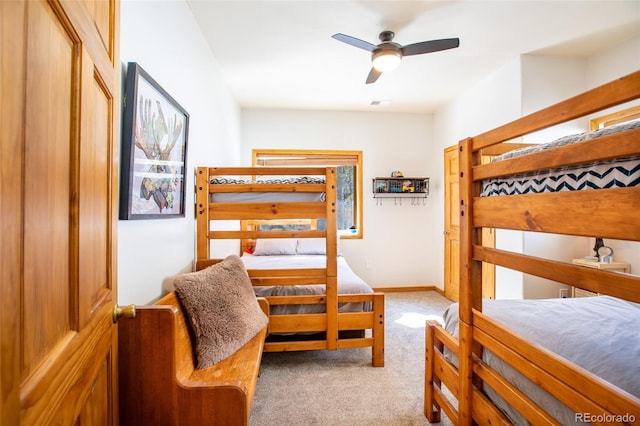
[(614, 118), (408, 289)]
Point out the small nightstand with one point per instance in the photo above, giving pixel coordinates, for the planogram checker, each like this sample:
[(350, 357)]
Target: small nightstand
[(613, 266)]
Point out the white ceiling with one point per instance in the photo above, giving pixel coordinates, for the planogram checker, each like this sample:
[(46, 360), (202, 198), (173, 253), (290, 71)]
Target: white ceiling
[(280, 54)]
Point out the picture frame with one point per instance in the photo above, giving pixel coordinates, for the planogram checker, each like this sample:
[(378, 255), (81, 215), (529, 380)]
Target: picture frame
[(154, 150)]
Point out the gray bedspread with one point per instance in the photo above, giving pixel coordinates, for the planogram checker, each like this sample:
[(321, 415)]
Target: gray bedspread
[(600, 334), (348, 282)]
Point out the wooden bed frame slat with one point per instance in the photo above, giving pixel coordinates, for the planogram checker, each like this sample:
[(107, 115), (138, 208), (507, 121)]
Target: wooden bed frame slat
[(302, 322), (266, 234), (616, 145), (447, 407), (288, 281), (529, 409), (354, 320), (615, 284), (355, 342), (447, 374), (540, 213), (484, 412), (296, 300), (307, 345), (234, 211), (303, 272)]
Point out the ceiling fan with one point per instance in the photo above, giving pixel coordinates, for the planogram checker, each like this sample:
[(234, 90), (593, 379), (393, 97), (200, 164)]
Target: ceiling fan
[(387, 55)]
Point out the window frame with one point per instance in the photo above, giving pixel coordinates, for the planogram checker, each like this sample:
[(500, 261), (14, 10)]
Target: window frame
[(318, 158), (614, 118)]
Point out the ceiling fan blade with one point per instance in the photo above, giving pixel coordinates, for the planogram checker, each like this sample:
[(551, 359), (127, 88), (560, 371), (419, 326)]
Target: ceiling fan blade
[(430, 46), (373, 75), (354, 42)]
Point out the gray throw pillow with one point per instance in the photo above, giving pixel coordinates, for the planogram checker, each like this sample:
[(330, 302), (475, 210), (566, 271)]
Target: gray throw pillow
[(221, 306)]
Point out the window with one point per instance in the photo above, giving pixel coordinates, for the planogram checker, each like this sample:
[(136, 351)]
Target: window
[(618, 117), (349, 179)]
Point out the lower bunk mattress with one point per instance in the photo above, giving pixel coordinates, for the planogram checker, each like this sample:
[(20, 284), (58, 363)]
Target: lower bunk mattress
[(348, 282), (599, 334)]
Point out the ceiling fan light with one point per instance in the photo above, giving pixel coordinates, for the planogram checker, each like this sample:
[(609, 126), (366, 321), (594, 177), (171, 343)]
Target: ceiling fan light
[(386, 60)]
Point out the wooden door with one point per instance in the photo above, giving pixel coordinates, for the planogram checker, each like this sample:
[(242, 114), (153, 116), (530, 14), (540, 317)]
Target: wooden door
[(60, 89), (451, 224), (452, 232)]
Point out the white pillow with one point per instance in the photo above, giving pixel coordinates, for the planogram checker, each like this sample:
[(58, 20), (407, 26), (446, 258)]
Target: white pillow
[(275, 246), (312, 246)]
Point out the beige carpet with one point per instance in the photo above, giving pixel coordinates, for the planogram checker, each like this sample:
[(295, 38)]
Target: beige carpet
[(341, 387)]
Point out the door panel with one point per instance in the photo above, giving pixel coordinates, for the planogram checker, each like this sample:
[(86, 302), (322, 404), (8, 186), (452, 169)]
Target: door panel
[(59, 169), (48, 143), (95, 172), (451, 224), (452, 232)]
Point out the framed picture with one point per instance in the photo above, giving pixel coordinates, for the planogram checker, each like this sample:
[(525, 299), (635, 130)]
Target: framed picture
[(154, 150)]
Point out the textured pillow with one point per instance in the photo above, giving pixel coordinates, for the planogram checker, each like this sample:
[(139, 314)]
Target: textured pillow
[(275, 246), (221, 307)]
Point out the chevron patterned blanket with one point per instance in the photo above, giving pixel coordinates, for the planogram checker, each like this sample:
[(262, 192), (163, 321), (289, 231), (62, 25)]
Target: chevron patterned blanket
[(623, 172)]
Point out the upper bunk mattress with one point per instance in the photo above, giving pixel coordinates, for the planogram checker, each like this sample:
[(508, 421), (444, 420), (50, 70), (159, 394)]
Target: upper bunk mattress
[(268, 197), (616, 173)]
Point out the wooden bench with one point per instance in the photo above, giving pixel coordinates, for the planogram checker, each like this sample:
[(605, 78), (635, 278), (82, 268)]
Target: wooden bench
[(159, 384)]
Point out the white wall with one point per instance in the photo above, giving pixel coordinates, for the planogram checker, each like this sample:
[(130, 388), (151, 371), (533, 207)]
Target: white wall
[(614, 62), (173, 51), (399, 243), (547, 80)]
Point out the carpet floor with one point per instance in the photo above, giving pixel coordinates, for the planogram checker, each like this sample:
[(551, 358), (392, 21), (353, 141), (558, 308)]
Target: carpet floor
[(341, 387)]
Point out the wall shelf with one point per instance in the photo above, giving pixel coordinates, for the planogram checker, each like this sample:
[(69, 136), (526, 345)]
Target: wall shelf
[(401, 187)]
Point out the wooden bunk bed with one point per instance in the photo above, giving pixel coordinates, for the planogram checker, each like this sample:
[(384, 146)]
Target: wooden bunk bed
[(276, 194), (485, 369)]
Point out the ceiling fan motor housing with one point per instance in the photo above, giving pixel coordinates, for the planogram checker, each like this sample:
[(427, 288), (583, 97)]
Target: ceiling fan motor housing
[(386, 56)]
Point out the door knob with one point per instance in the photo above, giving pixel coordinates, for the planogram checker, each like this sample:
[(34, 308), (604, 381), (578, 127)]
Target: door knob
[(123, 311), (446, 232)]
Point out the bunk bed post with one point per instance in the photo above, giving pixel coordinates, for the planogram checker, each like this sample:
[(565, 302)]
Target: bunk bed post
[(202, 212), (377, 349), (431, 409), (332, 260), (470, 277)]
